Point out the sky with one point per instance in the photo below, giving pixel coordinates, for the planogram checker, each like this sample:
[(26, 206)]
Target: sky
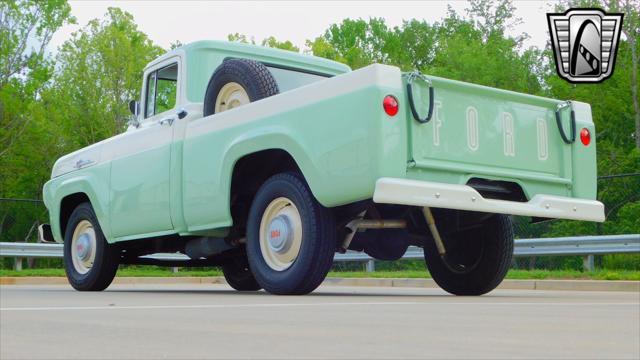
[(167, 21)]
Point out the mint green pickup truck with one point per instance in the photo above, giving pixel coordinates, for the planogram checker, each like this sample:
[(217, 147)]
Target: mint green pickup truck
[(266, 163)]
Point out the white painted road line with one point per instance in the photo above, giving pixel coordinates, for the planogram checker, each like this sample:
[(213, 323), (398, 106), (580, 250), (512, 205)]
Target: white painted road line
[(284, 305)]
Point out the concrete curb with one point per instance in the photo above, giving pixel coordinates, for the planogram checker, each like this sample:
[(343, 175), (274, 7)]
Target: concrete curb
[(568, 285)]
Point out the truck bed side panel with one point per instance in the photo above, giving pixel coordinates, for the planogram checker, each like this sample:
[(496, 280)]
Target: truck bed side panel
[(335, 130)]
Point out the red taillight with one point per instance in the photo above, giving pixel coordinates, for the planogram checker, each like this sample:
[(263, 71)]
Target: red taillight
[(390, 105), (585, 136)]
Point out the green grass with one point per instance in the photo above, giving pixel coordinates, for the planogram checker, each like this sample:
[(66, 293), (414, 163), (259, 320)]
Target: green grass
[(413, 274)]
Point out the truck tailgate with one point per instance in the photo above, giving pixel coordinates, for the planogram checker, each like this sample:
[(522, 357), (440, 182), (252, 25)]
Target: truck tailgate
[(491, 133)]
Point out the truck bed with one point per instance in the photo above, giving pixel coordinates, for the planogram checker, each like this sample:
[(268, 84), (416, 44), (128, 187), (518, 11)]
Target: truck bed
[(343, 142)]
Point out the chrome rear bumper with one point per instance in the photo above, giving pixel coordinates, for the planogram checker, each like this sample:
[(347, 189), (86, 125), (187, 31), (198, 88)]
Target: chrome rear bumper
[(464, 197)]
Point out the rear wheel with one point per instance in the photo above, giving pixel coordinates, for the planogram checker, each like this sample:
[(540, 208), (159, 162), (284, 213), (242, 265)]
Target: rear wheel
[(239, 276), (476, 260), (291, 238), (90, 262)]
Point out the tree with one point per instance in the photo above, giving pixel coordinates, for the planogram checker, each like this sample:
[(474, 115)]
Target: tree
[(271, 42), (631, 30), (357, 43), (614, 107), (176, 44), (26, 27), (493, 17), (284, 45), (456, 48), (97, 71), (100, 70), (241, 38)]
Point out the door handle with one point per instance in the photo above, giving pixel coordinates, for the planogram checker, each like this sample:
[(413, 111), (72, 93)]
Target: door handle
[(167, 121)]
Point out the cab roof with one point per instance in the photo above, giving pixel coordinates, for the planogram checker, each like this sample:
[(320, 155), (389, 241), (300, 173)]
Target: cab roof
[(276, 56)]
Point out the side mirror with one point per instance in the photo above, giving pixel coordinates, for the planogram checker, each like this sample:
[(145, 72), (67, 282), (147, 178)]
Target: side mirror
[(134, 107)]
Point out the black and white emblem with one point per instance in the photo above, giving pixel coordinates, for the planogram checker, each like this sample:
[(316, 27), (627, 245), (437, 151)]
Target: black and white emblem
[(584, 43)]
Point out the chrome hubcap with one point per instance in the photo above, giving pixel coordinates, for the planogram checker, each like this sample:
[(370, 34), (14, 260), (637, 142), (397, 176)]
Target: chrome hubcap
[(83, 247), (280, 234)]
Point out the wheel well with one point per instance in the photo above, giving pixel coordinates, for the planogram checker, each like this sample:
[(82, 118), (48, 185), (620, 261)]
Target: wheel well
[(249, 173), (67, 205)]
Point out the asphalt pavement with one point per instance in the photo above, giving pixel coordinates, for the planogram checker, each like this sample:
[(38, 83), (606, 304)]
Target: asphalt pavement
[(213, 321)]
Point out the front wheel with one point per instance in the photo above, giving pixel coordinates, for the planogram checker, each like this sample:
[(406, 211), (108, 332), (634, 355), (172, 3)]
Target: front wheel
[(89, 261), (291, 238), (476, 260)]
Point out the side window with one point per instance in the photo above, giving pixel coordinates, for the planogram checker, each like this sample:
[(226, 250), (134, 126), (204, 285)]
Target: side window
[(151, 95), (162, 86)]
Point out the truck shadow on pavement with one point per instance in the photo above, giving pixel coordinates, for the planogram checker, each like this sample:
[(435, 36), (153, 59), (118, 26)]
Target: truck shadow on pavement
[(394, 293)]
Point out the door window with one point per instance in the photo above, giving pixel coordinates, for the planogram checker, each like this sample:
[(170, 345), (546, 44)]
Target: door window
[(162, 86)]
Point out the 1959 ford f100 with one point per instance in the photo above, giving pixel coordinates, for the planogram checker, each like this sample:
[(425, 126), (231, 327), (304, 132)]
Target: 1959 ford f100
[(266, 163)]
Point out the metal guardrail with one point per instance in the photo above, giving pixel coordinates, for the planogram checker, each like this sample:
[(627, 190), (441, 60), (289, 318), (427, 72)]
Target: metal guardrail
[(575, 245)]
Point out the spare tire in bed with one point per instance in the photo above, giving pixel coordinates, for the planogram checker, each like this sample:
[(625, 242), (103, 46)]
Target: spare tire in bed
[(237, 82)]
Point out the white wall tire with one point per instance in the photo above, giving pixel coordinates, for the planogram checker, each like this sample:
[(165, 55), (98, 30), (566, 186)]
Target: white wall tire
[(297, 258), (280, 234), (90, 262), (83, 247)]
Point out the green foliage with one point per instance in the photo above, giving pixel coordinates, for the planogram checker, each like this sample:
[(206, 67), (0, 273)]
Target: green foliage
[(271, 42), (166, 95), (621, 261), (284, 45), (55, 112), (26, 27), (241, 38), (100, 69)]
